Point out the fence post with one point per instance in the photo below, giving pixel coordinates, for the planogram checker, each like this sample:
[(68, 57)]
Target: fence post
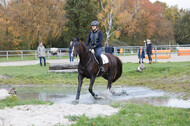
[(156, 54), (115, 51), (48, 54), (7, 55), (21, 55), (131, 51), (35, 54), (60, 53)]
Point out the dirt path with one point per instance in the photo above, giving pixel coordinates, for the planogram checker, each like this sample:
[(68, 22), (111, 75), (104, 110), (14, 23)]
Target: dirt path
[(49, 115), (124, 59)]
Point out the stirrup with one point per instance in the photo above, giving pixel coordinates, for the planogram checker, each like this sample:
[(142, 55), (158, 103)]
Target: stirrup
[(102, 69)]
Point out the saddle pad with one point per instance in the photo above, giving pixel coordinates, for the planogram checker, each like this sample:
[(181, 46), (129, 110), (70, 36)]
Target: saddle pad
[(104, 59)]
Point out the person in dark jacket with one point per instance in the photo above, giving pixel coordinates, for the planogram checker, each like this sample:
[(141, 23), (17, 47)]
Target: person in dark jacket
[(141, 55), (149, 50), (95, 37), (70, 51)]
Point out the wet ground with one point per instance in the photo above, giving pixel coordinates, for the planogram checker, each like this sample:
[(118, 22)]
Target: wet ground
[(66, 94)]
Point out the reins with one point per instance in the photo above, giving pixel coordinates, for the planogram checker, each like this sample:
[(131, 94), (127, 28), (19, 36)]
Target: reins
[(83, 67), (86, 64)]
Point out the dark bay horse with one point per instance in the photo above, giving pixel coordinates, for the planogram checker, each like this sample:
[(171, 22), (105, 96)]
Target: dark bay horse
[(88, 67)]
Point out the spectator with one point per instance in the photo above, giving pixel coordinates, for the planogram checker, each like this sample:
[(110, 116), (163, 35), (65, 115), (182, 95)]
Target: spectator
[(42, 53), (141, 55), (149, 50), (70, 51)]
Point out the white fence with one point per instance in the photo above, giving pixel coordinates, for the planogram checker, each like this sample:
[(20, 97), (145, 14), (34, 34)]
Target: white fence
[(127, 50), (31, 53)]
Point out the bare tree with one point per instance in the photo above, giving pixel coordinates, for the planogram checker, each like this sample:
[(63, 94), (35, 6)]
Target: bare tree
[(110, 16)]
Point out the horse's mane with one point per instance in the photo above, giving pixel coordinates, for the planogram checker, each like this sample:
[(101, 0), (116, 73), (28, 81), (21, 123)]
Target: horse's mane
[(83, 45)]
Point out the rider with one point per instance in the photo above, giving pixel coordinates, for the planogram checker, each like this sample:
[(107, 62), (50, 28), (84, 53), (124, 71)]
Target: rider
[(95, 37)]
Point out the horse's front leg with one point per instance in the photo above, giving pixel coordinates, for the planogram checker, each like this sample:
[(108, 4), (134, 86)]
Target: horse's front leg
[(80, 80), (92, 79)]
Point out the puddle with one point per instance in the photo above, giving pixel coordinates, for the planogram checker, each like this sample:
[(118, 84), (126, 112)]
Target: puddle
[(66, 94)]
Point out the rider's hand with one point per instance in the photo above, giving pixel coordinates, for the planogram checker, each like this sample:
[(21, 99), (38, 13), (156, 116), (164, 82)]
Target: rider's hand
[(91, 47), (94, 46)]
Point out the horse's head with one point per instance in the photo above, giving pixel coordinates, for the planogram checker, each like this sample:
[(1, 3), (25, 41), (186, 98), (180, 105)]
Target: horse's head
[(76, 47)]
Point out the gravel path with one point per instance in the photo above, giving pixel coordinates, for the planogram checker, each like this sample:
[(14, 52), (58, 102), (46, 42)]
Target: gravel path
[(124, 59), (49, 115)]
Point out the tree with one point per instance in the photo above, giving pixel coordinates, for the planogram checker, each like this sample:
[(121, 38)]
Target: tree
[(182, 29), (137, 20), (80, 14), (147, 22), (111, 15), (41, 20), (177, 27), (25, 22), (5, 25)]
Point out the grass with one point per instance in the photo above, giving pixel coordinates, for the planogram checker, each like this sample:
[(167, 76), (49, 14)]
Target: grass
[(72, 118), (172, 77), (140, 115), (14, 101)]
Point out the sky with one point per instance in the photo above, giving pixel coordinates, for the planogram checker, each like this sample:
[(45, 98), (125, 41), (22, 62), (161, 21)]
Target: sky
[(185, 4)]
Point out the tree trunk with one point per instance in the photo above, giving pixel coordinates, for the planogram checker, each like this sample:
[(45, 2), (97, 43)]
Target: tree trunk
[(63, 71), (63, 66)]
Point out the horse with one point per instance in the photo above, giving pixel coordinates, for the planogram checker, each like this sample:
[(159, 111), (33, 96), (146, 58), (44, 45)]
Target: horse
[(88, 67)]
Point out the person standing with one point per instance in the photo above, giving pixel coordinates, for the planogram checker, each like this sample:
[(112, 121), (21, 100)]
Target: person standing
[(141, 55), (149, 50), (42, 53), (95, 37), (70, 51)]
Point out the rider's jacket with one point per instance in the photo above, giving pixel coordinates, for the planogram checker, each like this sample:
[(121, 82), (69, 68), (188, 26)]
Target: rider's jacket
[(95, 38)]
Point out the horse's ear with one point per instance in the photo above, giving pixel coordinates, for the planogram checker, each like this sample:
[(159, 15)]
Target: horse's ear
[(78, 39)]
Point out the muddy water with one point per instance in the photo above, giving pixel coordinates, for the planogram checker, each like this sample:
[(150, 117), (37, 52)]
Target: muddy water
[(66, 94)]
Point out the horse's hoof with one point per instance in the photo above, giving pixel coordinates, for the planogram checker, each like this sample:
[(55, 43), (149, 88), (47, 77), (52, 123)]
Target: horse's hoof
[(77, 97), (97, 97), (75, 102)]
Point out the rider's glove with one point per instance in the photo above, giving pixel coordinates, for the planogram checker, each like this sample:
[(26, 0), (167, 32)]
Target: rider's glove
[(91, 47)]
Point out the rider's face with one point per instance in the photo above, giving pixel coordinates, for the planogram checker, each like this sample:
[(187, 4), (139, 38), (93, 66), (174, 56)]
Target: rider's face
[(93, 28)]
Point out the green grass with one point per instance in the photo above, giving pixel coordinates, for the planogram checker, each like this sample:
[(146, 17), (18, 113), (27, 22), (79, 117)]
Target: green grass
[(140, 115), (172, 77), (14, 101), (72, 118)]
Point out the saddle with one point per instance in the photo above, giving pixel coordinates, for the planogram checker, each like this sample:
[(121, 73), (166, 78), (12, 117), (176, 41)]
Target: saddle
[(103, 56)]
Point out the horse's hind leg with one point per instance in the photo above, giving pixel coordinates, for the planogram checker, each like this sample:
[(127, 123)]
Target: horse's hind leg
[(110, 78), (92, 79), (109, 83), (80, 79)]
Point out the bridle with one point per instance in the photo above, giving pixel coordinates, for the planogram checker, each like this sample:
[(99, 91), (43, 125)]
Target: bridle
[(87, 51), (79, 52)]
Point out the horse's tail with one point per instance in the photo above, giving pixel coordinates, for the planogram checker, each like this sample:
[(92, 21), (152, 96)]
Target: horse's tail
[(119, 69)]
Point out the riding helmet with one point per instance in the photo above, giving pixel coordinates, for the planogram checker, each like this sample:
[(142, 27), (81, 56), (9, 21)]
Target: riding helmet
[(94, 23)]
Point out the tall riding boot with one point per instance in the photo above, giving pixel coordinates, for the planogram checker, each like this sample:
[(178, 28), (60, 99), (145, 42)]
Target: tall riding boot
[(101, 65)]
